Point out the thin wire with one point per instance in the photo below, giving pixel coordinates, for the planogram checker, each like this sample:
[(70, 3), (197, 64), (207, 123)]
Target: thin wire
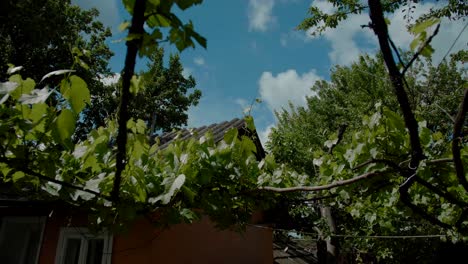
[(353, 236), (391, 237), (453, 44)]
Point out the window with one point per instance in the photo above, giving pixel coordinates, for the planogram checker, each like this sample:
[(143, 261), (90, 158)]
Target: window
[(20, 239), (78, 246)]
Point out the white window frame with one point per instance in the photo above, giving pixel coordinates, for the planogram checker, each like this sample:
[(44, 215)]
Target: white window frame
[(33, 220), (83, 234)]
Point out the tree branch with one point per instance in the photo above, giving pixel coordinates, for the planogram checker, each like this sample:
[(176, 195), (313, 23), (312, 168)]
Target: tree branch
[(445, 112), (322, 187), (449, 197), (461, 218), (389, 163), (133, 45), (12, 163), (457, 139), (313, 199), (396, 52), (416, 55), (405, 198), (380, 29), (341, 131), (438, 161)]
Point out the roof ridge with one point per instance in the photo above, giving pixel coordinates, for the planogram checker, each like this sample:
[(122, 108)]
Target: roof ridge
[(217, 129)]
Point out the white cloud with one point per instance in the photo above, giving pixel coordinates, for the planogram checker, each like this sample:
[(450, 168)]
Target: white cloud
[(112, 79), (287, 86), (345, 47), (284, 40), (241, 102), (245, 105), (199, 61), (448, 32), (260, 14), (263, 134), (292, 36), (187, 71)]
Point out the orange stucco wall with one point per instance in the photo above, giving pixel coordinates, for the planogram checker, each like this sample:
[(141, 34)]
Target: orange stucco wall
[(50, 237), (198, 242)]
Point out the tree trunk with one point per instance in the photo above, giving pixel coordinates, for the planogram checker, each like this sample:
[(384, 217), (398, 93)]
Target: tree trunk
[(332, 244)]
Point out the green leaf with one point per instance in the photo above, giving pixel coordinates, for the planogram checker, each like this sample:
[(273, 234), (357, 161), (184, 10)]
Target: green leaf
[(133, 36), (24, 87), (423, 25), (231, 135), (249, 121), (140, 126), (38, 111), (427, 51), (17, 176), (201, 40), (155, 2), (387, 21), (124, 25), (135, 84), (189, 194), (184, 4), (188, 215), (75, 90), (173, 187), (248, 146), (129, 4), (65, 125), (395, 120), (158, 21), (415, 43)]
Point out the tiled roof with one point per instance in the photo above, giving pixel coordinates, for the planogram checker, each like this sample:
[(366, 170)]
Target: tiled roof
[(218, 130)]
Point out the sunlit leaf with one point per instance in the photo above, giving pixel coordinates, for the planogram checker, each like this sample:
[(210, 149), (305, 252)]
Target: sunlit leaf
[(36, 96), (65, 125), (75, 90), (58, 72)]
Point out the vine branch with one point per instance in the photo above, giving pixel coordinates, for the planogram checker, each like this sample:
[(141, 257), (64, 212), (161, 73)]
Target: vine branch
[(416, 55), (13, 163), (133, 45), (380, 29), (321, 187), (457, 139)]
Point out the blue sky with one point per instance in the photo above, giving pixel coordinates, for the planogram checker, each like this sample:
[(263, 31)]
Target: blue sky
[(254, 51)]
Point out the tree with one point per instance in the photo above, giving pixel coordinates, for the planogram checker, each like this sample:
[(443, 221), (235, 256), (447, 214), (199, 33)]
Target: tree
[(410, 155), (397, 161), (162, 101), (47, 35), (354, 91)]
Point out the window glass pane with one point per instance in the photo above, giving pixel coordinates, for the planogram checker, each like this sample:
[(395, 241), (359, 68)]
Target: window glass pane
[(95, 250), (32, 246), (19, 239), (72, 251)]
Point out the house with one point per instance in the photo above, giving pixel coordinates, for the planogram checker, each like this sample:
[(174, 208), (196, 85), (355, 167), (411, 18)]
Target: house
[(45, 232)]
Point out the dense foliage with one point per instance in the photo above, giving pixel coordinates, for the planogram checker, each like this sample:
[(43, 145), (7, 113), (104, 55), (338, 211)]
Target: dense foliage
[(161, 101), (392, 171), (48, 35), (339, 104)]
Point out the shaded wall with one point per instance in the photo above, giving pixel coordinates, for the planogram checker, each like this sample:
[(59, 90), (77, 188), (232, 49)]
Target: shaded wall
[(198, 242)]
